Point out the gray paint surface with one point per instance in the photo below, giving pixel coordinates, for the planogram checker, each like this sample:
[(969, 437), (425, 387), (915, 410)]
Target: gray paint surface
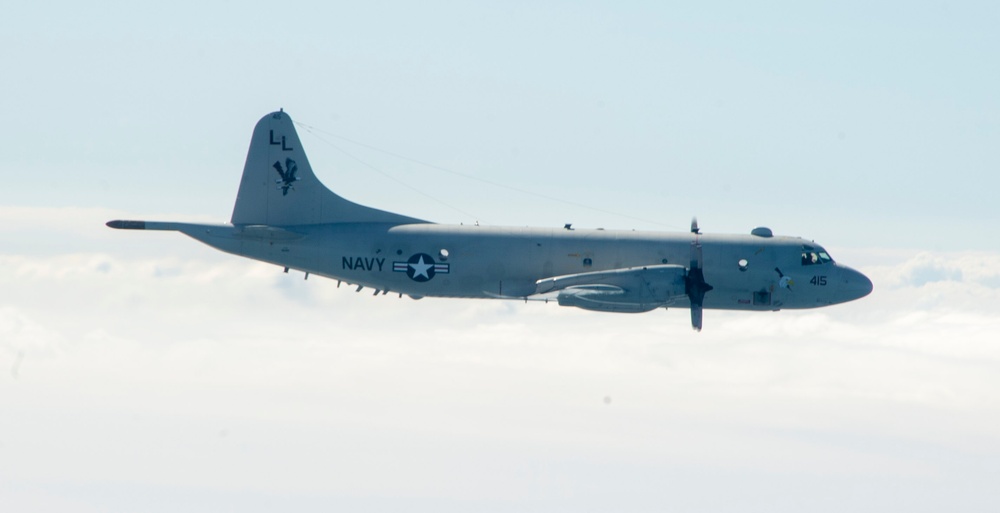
[(285, 216)]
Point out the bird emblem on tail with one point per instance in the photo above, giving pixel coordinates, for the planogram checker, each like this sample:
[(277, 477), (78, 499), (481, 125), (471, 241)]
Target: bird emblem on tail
[(287, 175)]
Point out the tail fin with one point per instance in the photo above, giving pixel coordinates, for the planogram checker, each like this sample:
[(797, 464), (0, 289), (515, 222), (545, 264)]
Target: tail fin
[(279, 187)]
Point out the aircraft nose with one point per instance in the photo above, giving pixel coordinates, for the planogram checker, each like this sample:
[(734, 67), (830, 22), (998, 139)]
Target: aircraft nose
[(855, 284)]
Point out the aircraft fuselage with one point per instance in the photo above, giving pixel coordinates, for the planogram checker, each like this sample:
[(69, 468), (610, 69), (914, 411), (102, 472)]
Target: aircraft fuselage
[(435, 260), (286, 216)]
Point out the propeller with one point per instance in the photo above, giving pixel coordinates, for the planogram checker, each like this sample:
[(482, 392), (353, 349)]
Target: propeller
[(694, 283)]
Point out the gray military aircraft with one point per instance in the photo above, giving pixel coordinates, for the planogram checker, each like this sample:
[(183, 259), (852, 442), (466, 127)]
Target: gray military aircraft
[(285, 216)]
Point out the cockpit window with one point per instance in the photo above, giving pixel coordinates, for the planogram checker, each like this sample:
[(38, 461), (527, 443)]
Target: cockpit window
[(812, 257)]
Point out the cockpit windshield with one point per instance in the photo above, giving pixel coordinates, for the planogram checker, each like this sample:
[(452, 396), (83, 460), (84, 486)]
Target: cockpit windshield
[(814, 256)]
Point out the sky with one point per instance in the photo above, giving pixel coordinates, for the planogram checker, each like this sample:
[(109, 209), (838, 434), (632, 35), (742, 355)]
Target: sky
[(143, 371)]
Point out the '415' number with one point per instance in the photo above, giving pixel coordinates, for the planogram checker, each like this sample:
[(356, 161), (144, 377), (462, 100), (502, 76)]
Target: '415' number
[(819, 281)]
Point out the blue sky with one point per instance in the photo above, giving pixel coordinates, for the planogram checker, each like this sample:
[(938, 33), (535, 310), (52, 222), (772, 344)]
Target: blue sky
[(146, 371), (871, 124)]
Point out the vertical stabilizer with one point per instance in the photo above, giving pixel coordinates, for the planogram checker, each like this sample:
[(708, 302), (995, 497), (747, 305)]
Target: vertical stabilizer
[(279, 187)]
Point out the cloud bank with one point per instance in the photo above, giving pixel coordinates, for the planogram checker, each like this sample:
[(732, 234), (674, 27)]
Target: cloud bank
[(165, 375)]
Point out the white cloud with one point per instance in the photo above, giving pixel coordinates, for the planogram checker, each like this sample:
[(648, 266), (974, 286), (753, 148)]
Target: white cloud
[(201, 373), (20, 334), (925, 268)]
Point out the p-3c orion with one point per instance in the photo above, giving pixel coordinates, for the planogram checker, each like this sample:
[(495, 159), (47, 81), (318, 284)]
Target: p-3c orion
[(285, 216)]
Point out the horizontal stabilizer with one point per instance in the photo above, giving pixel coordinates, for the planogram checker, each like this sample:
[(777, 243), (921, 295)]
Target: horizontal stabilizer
[(126, 225), (144, 225), (186, 228)]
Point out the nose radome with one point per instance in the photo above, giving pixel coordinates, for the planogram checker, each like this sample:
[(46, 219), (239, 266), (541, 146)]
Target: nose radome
[(856, 285)]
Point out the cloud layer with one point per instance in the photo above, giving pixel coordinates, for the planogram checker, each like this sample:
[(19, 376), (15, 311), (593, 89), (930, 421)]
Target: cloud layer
[(169, 376)]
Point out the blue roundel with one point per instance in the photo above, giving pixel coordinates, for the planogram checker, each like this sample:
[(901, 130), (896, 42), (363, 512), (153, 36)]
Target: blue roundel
[(420, 267)]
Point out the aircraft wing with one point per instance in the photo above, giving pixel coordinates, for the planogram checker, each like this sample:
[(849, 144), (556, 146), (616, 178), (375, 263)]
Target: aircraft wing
[(633, 289)]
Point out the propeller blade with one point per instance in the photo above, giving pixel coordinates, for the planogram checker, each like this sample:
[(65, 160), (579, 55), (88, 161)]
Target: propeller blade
[(696, 314), (694, 226), (696, 258), (695, 285)]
